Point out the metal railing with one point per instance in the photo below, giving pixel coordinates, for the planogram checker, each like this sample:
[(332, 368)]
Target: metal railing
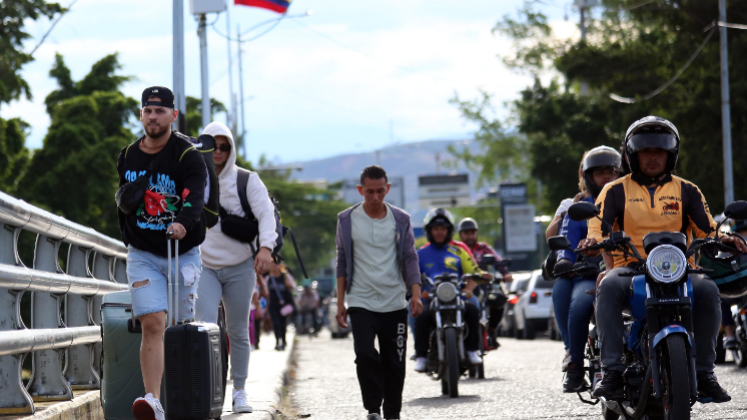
[(52, 338)]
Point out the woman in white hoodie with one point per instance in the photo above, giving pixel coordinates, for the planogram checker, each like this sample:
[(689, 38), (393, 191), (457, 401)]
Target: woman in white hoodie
[(228, 266)]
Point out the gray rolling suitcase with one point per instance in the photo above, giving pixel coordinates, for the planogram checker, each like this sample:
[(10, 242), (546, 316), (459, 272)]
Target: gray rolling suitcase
[(121, 378)]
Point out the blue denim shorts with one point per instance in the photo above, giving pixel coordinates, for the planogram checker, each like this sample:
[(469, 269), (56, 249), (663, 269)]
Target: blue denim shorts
[(152, 296)]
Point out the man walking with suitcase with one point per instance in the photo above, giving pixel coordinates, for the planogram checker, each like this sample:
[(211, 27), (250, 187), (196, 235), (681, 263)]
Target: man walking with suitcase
[(229, 265), (173, 200), (376, 276)]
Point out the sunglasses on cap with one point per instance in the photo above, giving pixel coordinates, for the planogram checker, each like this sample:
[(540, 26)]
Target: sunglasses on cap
[(225, 147)]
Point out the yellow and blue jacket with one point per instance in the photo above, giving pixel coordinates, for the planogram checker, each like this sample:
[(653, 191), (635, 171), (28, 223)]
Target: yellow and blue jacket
[(435, 260)]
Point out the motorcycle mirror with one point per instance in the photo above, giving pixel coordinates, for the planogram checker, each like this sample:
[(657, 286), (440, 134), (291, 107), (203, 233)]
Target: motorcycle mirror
[(487, 260), (736, 210), (559, 242), (582, 211)]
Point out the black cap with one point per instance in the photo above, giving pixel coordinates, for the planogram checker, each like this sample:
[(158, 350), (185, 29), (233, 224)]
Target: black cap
[(163, 93)]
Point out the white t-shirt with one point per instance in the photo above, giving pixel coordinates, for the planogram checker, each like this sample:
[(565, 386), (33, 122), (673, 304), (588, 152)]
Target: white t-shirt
[(377, 281)]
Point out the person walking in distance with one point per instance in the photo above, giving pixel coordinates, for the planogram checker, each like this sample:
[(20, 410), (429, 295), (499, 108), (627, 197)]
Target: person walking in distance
[(376, 276), (173, 201), (281, 303), (229, 265)]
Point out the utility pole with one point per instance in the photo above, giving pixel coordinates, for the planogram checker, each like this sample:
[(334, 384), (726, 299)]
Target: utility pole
[(583, 6), (202, 33), (241, 95), (180, 98), (231, 98), (726, 109)]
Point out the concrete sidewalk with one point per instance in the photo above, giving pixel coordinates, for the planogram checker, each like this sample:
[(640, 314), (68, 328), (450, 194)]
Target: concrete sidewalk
[(266, 381), (265, 386)]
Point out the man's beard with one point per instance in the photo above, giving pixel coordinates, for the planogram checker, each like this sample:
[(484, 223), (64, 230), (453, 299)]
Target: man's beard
[(155, 133)]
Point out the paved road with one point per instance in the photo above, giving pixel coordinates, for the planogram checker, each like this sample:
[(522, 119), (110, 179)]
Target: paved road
[(523, 381)]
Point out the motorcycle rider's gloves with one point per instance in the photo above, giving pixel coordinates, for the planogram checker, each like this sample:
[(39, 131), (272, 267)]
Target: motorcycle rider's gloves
[(562, 266)]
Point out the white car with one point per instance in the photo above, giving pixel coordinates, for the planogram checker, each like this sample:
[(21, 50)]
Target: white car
[(533, 308)]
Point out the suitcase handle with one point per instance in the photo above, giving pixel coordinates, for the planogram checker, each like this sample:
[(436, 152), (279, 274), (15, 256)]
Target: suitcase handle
[(173, 282)]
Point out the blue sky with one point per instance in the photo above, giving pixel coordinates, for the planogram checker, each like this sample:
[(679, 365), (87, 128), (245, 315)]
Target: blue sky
[(352, 77)]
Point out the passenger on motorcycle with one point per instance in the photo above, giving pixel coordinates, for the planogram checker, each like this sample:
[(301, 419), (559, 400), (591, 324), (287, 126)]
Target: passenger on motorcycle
[(468, 230), (572, 305), (651, 199), (437, 258), (727, 321)]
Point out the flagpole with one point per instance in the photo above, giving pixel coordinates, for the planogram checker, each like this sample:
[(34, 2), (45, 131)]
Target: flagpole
[(231, 120), (241, 142)]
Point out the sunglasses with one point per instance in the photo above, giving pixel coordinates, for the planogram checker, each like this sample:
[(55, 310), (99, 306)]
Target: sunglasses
[(224, 147)]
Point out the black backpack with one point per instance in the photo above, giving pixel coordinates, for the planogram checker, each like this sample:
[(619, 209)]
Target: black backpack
[(205, 144), (242, 179)]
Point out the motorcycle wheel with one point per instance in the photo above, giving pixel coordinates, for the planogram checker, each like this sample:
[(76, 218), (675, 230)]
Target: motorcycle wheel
[(480, 369), (452, 362), (676, 379), (609, 414), (740, 356)]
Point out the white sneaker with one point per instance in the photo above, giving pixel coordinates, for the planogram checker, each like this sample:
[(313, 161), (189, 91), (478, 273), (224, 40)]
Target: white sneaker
[(148, 408), (421, 363), (373, 416), (239, 401), (474, 358)]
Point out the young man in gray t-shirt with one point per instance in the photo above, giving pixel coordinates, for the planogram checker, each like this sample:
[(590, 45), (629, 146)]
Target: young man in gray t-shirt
[(376, 275)]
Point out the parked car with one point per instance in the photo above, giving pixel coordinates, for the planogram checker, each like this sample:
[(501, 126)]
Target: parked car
[(533, 307), (336, 330), (517, 287)]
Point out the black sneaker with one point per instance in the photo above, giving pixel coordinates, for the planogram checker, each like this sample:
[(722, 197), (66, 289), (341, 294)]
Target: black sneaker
[(611, 385), (575, 379), (708, 387)]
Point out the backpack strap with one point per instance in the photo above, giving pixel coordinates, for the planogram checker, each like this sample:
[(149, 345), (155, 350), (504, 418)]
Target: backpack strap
[(242, 180)]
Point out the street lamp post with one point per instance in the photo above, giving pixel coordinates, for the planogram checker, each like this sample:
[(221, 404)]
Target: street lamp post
[(180, 98), (202, 33)]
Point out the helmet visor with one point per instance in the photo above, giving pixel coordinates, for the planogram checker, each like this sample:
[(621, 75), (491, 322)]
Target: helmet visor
[(642, 141), (601, 159)]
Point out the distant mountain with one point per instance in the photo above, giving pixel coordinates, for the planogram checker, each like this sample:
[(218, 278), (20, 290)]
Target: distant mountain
[(408, 160)]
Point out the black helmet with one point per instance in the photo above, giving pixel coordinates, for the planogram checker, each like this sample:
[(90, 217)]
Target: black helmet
[(438, 217), (652, 132), (599, 157), (468, 223)]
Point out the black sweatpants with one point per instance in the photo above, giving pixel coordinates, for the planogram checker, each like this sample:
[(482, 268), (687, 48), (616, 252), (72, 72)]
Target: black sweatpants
[(381, 374)]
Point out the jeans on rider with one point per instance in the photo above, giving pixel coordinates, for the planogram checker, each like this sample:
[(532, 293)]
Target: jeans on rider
[(573, 310), (426, 323), (613, 296)]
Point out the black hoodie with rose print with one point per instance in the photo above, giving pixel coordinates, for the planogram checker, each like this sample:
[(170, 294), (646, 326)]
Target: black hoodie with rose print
[(176, 194)]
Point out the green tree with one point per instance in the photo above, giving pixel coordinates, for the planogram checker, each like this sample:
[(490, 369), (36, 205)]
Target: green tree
[(630, 51), (13, 14), (312, 214), (74, 174), (14, 155), (194, 114)]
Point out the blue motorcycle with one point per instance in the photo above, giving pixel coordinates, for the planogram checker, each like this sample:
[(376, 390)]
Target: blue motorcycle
[(660, 378)]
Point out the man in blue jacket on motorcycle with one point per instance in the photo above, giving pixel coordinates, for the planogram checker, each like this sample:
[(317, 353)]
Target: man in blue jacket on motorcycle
[(437, 258), (651, 199), (573, 306)]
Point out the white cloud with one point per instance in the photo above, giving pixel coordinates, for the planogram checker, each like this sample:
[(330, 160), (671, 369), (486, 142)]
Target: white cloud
[(311, 96)]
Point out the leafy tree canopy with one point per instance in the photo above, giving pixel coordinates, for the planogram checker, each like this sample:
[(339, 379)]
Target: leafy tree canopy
[(13, 14), (631, 50), (74, 174)]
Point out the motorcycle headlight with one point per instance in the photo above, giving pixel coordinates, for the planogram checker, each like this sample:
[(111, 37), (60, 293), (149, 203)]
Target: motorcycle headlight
[(446, 292), (666, 264)]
